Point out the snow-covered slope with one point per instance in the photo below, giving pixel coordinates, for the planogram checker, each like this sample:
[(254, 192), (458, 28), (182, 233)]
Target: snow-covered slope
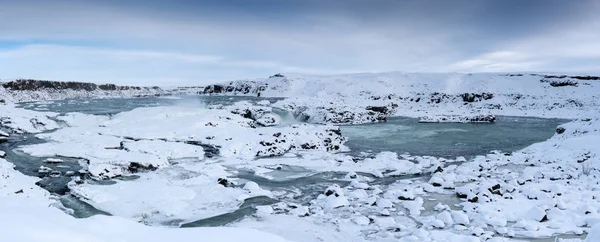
[(360, 98)]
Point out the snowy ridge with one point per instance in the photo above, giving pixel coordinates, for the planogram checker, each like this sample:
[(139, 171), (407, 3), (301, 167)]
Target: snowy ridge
[(36, 90), (344, 99)]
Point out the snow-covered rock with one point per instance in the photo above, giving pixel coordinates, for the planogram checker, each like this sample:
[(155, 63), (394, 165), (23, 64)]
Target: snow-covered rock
[(320, 98), (459, 119), (35, 90)]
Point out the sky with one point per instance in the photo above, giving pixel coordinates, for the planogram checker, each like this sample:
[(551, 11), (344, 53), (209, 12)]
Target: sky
[(196, 42)]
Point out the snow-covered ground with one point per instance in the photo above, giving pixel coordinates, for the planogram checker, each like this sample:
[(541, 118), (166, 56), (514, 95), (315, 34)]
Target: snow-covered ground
[(31, 214), (359, 98), (181, 164)]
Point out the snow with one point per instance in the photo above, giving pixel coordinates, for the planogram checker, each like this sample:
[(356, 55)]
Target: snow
[(594, 234), (167, 133), (29, 206), (546, 189)]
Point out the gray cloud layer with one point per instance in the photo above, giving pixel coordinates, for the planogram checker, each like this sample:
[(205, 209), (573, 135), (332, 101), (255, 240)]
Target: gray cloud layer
[(195, 42)]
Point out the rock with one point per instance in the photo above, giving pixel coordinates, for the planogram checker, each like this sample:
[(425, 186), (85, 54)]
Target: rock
[(361, 220), (269, 119), (352, 175), (224, 182), (359, 185), (475, 97), (34, 85), (135, 167), (560, 130), (19, 191), (445, 217), (536, 214), (384, 203), (473, 199), (251, 186), (55, 174), (334, 190), (44, 170), (384, 212), (53, 161), (460, 217), (459, 119), (436, 181), (336, 202), (2, 154), (438, 224)]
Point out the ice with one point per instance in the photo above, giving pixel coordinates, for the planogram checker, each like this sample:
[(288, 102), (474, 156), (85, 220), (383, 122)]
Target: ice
[(29, 206), (594, 234)]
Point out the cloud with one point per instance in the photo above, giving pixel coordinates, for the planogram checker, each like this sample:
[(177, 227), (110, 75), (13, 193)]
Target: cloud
[(195, 42), (572, 48), (132, 67)]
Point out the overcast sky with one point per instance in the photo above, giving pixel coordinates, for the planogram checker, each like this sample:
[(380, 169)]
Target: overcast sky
[(189, 42)]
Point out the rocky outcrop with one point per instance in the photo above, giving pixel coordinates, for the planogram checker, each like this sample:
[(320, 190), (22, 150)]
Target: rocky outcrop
[(34, 85), (342, 114), (459, 119), (235, 88), (35, 90)]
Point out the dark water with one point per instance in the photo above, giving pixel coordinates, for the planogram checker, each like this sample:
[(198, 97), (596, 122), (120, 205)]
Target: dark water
[(449, 140)]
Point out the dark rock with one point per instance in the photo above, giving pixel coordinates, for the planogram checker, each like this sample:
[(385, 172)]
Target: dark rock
[(563, 83), (460, 195), (403, 198), (496, 187), (224, 182), (209, 150), (19, 191), (474, 199), (307, 146), (560, 130), (439, 169), (380, 109), (135, 167), (33, 85)]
